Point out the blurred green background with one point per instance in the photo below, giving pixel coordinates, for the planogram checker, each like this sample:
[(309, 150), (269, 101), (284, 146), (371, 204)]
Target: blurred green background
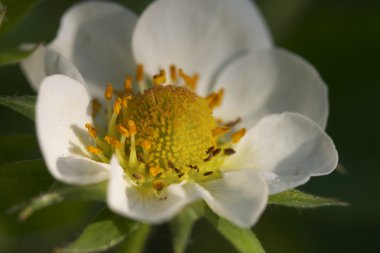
[(341, 38)]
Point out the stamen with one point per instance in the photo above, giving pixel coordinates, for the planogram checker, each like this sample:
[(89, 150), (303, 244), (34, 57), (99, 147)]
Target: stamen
[(91, 130), (132, 127), (108, 92), (124, 100), (190, 82), (210, 149), (117, 106), (208, 173), (160, 78), (215, 99), (140, 73), (238, 135), (231, 124), (128, 84), (122, 130), (98, 152), (216, 152), (229, 151), (158, 185), (173, 73), (154, 171), (113, 142), (96, 106), (220, 130)]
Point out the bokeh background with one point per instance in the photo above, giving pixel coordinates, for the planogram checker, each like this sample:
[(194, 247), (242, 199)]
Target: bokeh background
[(341, 38)]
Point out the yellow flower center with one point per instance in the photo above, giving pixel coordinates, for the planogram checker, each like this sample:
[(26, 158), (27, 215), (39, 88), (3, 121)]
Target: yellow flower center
[(165, 134)]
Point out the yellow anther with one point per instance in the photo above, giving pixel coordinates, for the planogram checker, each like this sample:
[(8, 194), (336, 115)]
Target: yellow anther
[(96, 106), (154, 171), (238, 135), (146, 145), (160, 78), (108, 92), (132, 127), (191, 82), (128, 84), (215, 99), (140, 73), (94, 150), (113, 142), (124, 100), (122, 130), (91, 130), (158, 185), (173, 73), (117, 105), (220, 130)]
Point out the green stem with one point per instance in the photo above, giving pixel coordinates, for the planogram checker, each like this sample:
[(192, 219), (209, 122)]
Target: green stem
[(135, 242)]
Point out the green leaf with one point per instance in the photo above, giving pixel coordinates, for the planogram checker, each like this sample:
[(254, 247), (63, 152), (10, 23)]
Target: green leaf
[(105, 232), (18, 147), (61, 192), (3, 10), (243, 239), (295, 198), (23, 104), (135, 242), (14, 54), (181, 227), (21, 179), (16, 10)]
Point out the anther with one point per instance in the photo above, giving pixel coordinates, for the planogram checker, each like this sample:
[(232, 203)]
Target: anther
[(231, 124), (215, 99), (160, 78), (96, 106), (117, 105), (216, 151), (140, 73), (122, 130), (220, 130), (191, 82), (208, 173), (210, 149), (91, 130), (124, 100), (238, 135), (229, 151), (132, 127), (94, 150), (113, 142), (137, 176), (154, 171), (128, 84), (173, 73), (208, 158), (158, 185), (108, 92), (146, 144)]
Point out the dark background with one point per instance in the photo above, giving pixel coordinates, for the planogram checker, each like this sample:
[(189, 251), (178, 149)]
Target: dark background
[(341, 39)]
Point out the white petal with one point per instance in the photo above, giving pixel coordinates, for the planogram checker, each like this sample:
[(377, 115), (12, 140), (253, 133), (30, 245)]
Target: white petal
[(96, 38), (62, 111), (199, 36), (45, 62), (272, 81), (287, 148), (131, 201), (240, 196)]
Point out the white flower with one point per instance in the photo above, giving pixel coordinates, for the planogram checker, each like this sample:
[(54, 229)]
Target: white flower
[(167, 149)]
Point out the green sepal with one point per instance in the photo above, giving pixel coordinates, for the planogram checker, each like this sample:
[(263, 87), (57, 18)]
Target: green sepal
[(181, 227), (16, 10), (61, 192), (298, 199), (22, 104), (21, 179), (105, 232), (243, 239)]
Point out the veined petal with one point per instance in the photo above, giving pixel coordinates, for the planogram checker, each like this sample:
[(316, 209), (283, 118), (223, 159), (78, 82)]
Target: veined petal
[(45, 62), (96, 38), (134, 202), (62, 111), (272, 81), (287, 149), (199, 36), (240, 196)]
